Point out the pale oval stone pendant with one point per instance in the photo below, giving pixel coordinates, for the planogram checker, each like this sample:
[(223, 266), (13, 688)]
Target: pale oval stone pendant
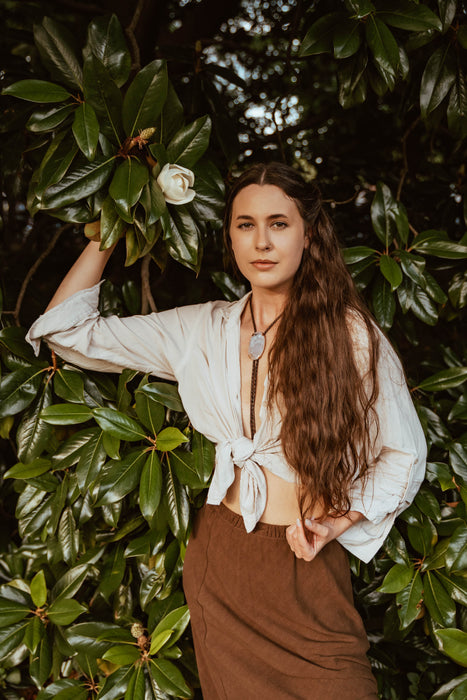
[(256, 345)]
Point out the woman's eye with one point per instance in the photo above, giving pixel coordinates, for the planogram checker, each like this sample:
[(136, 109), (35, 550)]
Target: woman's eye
[(245, 225), (279, 224)]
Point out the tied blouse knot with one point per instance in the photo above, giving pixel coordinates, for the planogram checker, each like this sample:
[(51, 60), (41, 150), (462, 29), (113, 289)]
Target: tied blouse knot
[(199, 347)]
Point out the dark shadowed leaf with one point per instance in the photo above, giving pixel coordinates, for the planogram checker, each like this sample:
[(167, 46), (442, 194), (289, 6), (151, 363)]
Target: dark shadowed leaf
[(189, 144), (18, 389), (33, 432), (319, 36), (66, 414), (107, 42), (120, 477), (86, 130), (103, 95), (145, 97), (437, 79), (150, 488), (411, 16), (37, 91), (56, 47), (79, 183)]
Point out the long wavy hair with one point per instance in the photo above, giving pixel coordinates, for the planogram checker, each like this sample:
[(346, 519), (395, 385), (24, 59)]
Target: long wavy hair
[(326, 401)]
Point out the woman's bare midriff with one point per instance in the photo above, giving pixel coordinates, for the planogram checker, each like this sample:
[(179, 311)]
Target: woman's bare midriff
[(282, 499)]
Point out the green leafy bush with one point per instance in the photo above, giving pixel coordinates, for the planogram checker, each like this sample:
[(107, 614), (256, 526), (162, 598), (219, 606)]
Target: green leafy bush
[(108, 469)]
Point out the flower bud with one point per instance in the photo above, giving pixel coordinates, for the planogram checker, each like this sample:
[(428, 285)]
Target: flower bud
[(175, 182)]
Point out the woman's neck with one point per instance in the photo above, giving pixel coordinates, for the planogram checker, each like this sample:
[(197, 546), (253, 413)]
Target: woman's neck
[(267, 306)]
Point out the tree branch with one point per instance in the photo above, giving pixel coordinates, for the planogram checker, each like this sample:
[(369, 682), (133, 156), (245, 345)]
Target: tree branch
[(147, 300), (34, 267), (130, 32)]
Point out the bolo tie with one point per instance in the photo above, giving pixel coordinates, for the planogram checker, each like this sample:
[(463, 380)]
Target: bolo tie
[(255, 351)]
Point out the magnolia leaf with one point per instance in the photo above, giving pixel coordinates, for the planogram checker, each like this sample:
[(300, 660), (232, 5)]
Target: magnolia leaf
[(150, 488), (56, 47), (145, 97), (86, 130), (37, 91), (106, 41), (39, 589)]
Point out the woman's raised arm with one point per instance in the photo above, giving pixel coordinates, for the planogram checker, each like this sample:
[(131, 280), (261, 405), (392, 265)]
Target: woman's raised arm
[(86, 272)]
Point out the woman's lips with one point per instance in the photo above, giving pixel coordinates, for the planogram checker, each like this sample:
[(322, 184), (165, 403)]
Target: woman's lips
[(263, 264)]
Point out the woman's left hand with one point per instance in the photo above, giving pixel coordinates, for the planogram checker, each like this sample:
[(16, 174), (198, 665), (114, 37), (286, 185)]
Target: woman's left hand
[(306, 545)]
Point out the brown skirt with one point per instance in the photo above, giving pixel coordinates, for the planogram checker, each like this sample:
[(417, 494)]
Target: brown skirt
[(269, 626)]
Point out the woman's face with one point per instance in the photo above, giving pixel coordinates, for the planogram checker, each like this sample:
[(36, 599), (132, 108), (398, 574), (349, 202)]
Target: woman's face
[(268, 237)]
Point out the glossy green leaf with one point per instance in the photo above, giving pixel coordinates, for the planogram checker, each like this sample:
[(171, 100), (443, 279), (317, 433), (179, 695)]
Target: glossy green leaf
[(35, 631), (79, 183), (453, 642), (116, 684), (169, 678), (384, 48), (383, 214), (357, 253), (456, 552), (112, 226), (86, 130), (120, 477), (65, 689), (176, 501), (347, 38), (437, 79), (150, 488), (101, 92), (446, 379), (55, 164), (56, 47), (158, 641), (28, 471), (395, 547), (458, 459), (91, 460), (11, 637), (319, 37), (33, 433), (175, 621), (37, 91), (411, 16), (70, 583), (145, 97), (18, 389), (64, 612), (190, 143), (164, 393), (66, 414), (169, 439), (118, 424), (122, 654), (46, 119), (150, 411), (384, 304), (438, 601), (353, 81), (69, 385), (410, 601), (68, 536), (12, 612), (447, 12), (391, 271), (182, 236), (40, 666), (106, 41), (39, 589), (136, 685), (127, 183), (112, 572), (397, 579)]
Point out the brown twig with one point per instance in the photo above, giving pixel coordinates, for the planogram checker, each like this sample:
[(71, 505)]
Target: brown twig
[(405, 169), (130, 32), (333, 202), (34, 267), (147, 300)]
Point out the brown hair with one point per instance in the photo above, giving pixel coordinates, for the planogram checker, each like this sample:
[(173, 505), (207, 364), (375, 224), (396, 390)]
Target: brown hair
[(327, 403)]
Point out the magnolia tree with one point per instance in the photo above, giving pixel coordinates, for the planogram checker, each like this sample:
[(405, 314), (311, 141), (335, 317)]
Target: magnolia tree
[(103, 471)]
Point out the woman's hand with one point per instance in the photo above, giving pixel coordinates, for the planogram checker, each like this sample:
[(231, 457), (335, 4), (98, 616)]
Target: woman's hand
[(306, 545)]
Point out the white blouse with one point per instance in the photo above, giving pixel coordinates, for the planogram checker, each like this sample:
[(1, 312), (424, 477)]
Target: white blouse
[(199, 347)]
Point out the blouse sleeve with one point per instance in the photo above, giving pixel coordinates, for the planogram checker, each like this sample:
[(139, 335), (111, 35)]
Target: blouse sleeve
[(154, 343), (399, 459)]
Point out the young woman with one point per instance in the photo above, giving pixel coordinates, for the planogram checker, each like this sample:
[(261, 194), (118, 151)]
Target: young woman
[(318, 446)]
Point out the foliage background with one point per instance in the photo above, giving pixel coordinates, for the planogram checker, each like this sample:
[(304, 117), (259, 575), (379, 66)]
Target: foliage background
[(370, 99)]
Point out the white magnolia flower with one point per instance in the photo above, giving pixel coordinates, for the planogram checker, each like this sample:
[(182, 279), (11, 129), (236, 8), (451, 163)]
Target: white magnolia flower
[(175, 182)]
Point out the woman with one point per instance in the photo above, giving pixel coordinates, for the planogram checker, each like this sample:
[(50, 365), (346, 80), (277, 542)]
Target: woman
[(318, 446)]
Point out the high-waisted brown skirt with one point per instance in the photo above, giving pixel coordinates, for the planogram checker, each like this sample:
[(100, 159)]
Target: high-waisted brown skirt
[(269, 626)]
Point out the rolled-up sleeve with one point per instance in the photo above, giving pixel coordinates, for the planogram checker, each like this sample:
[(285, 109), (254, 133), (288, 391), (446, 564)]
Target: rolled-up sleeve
[(154, 343), (398, 465)]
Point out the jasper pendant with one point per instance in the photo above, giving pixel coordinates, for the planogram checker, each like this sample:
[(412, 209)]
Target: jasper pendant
[(256, 345)]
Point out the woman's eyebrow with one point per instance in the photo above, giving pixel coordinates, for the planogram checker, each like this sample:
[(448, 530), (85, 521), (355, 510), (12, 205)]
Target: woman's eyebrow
[(271, 216)]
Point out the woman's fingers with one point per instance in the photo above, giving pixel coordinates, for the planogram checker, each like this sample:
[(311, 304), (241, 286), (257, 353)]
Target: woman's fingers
[(298, 542)]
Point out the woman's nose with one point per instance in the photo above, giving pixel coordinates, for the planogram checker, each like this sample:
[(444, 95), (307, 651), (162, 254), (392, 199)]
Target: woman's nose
[(263, 241)]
